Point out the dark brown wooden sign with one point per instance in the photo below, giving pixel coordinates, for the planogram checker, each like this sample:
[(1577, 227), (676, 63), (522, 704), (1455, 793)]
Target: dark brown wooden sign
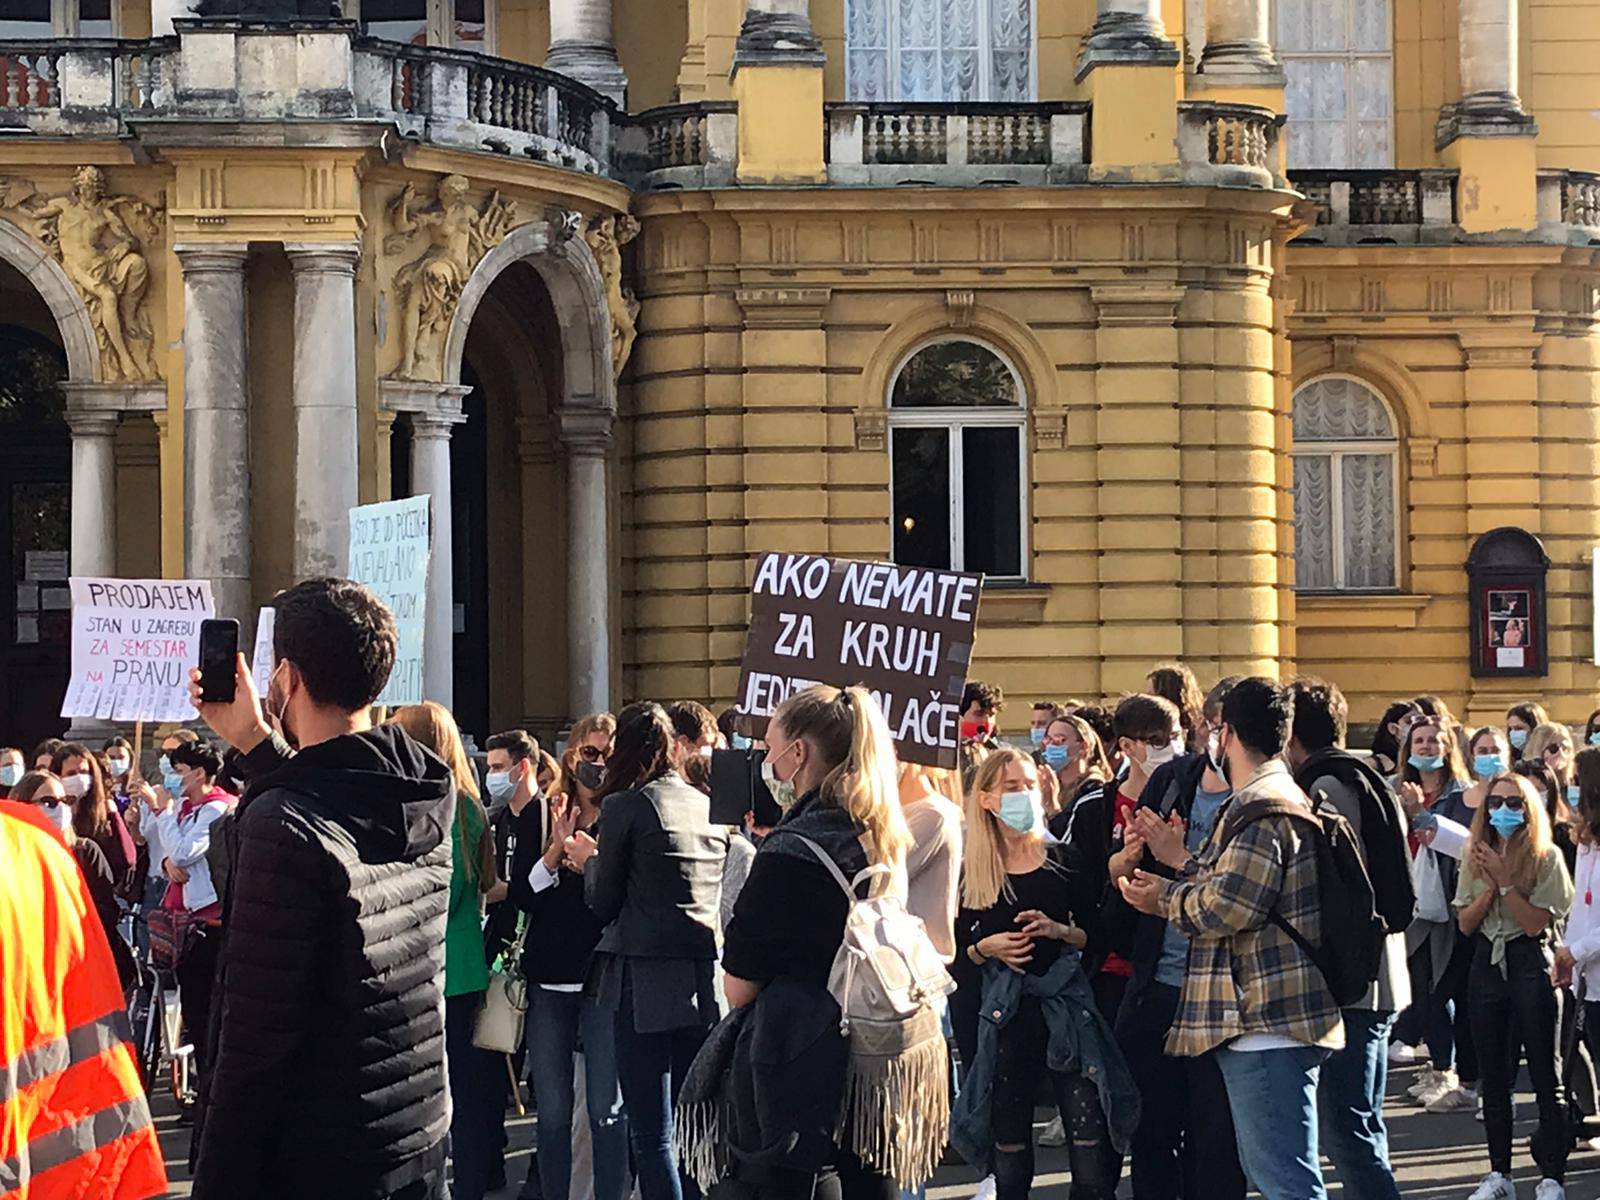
[(904, 633)]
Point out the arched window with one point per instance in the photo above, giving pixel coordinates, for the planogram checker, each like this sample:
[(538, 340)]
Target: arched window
[(1338, 65), (956, 422), (1346, 478), (942, 50)]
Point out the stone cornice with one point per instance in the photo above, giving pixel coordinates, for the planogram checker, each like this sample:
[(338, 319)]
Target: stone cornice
[(783, 307)]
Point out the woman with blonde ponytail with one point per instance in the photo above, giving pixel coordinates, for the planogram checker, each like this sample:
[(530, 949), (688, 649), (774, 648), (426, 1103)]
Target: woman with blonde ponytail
[(1020, 947), (831, 767)]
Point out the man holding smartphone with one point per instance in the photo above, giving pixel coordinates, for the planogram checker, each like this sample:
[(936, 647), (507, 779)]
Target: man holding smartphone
[(329, 1074)]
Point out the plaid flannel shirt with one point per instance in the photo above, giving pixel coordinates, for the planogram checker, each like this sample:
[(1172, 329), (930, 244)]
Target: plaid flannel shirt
[(1245, 975)]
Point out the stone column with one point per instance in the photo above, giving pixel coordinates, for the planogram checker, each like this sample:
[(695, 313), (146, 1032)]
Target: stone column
[(216, 424), (1239, 44), (586, 434), (1128, 32), (326, 455), (777, 29), (434, 409), (94, 490), (1488, 41), (581, 46), (1486, 135)]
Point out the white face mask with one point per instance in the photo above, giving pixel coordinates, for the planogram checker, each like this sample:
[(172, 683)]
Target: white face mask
[(60, 813), (1155, 756), (76, 786), (783, 790), (119, 765)]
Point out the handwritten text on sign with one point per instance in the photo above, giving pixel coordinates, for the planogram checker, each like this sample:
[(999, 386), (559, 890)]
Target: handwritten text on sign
[(133, 643), (389, 553), (905, 633)]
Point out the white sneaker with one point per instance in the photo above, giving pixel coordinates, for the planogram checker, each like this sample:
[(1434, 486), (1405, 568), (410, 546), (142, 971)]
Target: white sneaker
[(1443, 1084), (1480, 1109), (1457, 1099), (1549, 1189), (1428, 1081), (985, 1189), (1401, 1054), (1495, 1186), (1054, 1135)]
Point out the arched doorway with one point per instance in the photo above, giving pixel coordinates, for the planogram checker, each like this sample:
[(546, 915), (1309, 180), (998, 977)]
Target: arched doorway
[(35, 514)]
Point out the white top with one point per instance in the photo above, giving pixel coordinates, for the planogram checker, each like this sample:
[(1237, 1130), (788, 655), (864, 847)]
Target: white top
[(1583, 925), (184, 843), (150, 827)]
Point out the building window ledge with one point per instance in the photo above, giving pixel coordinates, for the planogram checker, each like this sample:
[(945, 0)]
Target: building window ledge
[(1358, 610)]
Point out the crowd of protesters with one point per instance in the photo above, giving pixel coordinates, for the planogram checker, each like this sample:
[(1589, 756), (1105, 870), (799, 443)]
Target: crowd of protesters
[(1191, 922)]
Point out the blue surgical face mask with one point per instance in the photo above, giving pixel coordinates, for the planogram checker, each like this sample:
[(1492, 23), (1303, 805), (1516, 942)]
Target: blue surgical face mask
[(10, 775), (1487, 766), (1507, 821), (1518, 738), (173, 782), (1036, 735), (739, 742), (164, 764), (1572, 794), (1022, 811), (1057, 757), (499, 785), (1594, 738), (1427, 762)]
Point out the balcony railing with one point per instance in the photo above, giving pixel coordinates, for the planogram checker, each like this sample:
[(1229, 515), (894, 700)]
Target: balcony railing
[(1238, 141), (1569, 205), (679, 146), (452, 98), (1379, 207), (954, 144)]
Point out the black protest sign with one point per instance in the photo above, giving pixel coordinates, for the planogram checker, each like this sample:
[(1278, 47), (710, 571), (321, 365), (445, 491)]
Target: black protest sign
[(904, 633)]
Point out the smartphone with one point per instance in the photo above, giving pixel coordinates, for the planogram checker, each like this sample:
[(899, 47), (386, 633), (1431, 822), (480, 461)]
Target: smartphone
[(219, 656)]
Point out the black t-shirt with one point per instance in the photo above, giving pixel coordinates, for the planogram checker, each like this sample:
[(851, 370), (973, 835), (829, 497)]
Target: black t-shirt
[(1044, 889), (789, 920), (517, 836)]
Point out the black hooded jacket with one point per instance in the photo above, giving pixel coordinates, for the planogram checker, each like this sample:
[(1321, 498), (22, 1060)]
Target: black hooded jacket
[(328, 1018)]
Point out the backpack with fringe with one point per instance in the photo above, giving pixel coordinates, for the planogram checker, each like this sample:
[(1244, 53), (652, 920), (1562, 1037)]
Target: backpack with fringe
[(888, 981)]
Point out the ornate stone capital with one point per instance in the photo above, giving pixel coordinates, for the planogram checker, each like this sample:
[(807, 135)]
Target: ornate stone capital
[(872, 429), (434, 408), (93, 409), (324, 258), (585, 430), (208, 258)]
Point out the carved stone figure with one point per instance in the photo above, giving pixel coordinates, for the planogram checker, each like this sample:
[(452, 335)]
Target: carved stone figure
[(429, 288), (606, 237), (99, 240)]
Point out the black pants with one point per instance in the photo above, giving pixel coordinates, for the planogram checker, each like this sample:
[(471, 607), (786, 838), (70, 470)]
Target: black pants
[(1096, 1165), (847, 1178), (1524, 992), (1184, 1146), (195, 974)]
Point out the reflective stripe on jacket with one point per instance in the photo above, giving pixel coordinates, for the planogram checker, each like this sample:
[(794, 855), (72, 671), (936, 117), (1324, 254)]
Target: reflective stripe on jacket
[(73, 1118)]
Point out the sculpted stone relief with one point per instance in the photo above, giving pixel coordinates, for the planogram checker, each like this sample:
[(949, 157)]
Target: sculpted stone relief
[(100, 241), (429, 287), (606, 237)]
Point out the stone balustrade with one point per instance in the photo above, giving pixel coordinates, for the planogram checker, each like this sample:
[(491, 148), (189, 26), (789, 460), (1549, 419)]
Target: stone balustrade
[(1569, 205), (1377, 207), (955, 145), (679, 146), (211, 71), (1238, 142)]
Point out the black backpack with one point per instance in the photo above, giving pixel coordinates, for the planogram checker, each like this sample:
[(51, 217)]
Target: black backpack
[(1351, 952), (1383, 831)]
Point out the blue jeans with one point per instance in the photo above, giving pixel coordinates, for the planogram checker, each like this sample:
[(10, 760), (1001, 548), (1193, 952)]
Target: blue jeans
[(651, 1068), (556, 1022), (1273, 1095), (1350, 1106), (476, 1098)]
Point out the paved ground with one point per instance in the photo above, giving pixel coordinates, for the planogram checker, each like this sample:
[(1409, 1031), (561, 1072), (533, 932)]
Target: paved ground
[(1435, 1157)]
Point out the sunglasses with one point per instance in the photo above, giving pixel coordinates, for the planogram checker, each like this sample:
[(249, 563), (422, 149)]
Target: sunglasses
[(1512, 802), (591, 754)]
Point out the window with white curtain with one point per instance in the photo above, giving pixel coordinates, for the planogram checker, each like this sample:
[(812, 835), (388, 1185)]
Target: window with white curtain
[(1338, 63), (1346, 478), (943, 50), (957, 472)]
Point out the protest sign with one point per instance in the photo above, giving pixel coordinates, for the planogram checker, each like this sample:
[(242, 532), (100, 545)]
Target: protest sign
[(904, 633), (133, 644), (261, 660), (389, 553)]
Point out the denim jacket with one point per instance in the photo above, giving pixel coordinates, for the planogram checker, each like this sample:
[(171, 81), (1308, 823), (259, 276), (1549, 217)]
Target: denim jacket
[(1080, 1043)]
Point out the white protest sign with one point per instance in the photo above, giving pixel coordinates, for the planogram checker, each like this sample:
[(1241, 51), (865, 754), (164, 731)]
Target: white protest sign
[(389, 553), (261, 661), (133, 644)]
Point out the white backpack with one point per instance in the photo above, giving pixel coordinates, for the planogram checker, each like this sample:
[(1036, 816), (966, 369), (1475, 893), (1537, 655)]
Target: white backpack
[(889, 983)]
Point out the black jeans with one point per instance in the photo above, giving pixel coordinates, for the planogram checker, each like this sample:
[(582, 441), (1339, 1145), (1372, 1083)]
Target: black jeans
[(1526, 994), (847, 1178), (195, 974), (1096, 1165), (1184, 1146)]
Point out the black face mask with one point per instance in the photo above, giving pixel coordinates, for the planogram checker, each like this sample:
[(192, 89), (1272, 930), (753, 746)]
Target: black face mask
[(590, 774)]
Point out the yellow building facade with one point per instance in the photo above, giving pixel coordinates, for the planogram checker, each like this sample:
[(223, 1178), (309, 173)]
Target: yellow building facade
[(1218, 330)]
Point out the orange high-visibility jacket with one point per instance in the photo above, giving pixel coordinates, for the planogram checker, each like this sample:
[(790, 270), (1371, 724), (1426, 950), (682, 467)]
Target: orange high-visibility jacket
[(73, 1120)]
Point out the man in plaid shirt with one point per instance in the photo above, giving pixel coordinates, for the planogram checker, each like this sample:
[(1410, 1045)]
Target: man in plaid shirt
[(1250, 993)]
